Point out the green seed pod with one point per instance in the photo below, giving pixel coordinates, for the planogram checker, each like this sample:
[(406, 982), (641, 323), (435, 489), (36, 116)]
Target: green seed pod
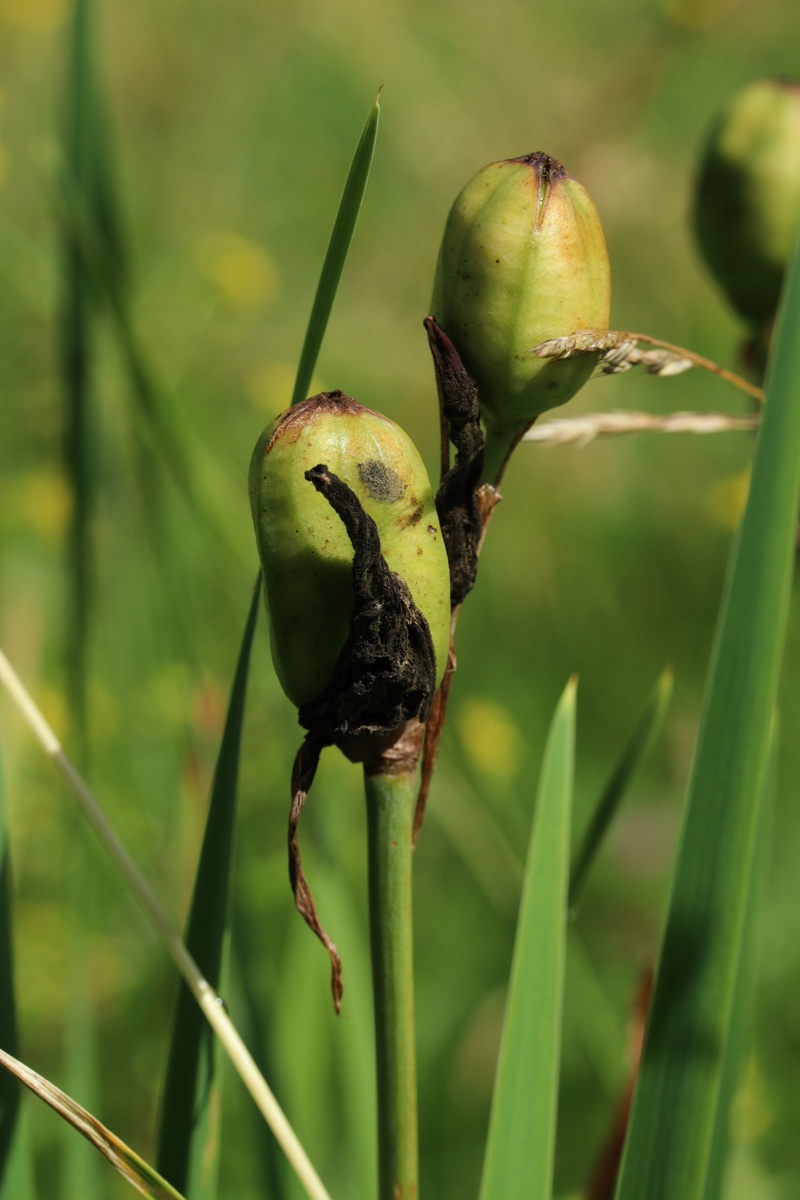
[(523, 259), (747, 202), (305, 552)]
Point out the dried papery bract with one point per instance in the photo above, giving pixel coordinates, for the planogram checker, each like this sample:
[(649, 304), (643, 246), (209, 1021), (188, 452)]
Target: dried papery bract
[(523, 259), (747, 202), (357, 589)]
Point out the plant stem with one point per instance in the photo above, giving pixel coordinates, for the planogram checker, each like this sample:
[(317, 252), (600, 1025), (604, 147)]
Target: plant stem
[(390, 812)]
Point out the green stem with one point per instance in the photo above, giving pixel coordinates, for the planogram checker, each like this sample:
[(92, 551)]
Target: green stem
[(390, 814)]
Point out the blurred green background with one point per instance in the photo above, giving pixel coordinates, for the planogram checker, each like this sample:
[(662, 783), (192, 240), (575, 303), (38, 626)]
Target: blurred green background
[(232, 128)]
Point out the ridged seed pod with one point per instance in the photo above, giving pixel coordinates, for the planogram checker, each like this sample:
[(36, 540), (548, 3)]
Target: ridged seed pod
[(523, 259), (305, 552), (747, 204)]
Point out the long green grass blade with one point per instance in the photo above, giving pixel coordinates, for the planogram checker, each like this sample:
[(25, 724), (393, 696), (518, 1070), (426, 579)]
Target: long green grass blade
[(76, 322), (16, 1167), (739, 1036), (338, 246), (207, 998), (675, 1111), (636, 750), (89, 214), (188, 1144), (521, 1145), (132, 1168), (159, 429), (89, 155)]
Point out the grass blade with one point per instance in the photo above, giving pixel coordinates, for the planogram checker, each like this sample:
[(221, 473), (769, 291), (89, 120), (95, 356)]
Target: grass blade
[(76, 321), (16, 1167), (671, 1135), (338, 246), (132, 1168), (520, 1149), (96, 279), (204, 994), (188, 1142), (739, 1039), (633, 755)]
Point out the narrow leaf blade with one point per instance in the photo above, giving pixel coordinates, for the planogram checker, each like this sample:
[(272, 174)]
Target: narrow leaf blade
[(671, 1136), (520, 1148), (77, 320), (633, 755), (738, 1036), (188, 1144), (338, 246), (16, 1166), (130, 1166)]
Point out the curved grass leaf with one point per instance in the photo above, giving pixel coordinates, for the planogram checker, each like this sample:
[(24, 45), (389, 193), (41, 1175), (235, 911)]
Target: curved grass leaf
[(16, 1167), (676, 1110), (130, 1166), (521, 1144), (633, 755), (204, 994), (338, 246), (188, 1143)]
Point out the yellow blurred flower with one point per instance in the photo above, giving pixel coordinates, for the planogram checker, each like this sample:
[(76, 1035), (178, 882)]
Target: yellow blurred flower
[(725, 500), (243, 272), (40, 501), (491, 740), (34, 16)]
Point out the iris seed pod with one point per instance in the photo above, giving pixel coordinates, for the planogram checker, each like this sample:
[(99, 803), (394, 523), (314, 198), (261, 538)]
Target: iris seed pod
[(523, 259), (305, 551), (747, 203)]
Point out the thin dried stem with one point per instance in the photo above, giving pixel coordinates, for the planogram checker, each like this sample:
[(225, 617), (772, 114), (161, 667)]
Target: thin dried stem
[(585, 429), (618, 352), (706, 364), (210, 1003)]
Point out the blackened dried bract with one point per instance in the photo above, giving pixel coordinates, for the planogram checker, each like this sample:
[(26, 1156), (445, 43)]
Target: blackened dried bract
[(386, 672), (305, 768), (456, 501), (385, 676)]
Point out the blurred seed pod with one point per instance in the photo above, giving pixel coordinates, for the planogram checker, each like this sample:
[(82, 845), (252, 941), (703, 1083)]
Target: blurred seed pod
[(305, 550), (747, 200), (523, 259)]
